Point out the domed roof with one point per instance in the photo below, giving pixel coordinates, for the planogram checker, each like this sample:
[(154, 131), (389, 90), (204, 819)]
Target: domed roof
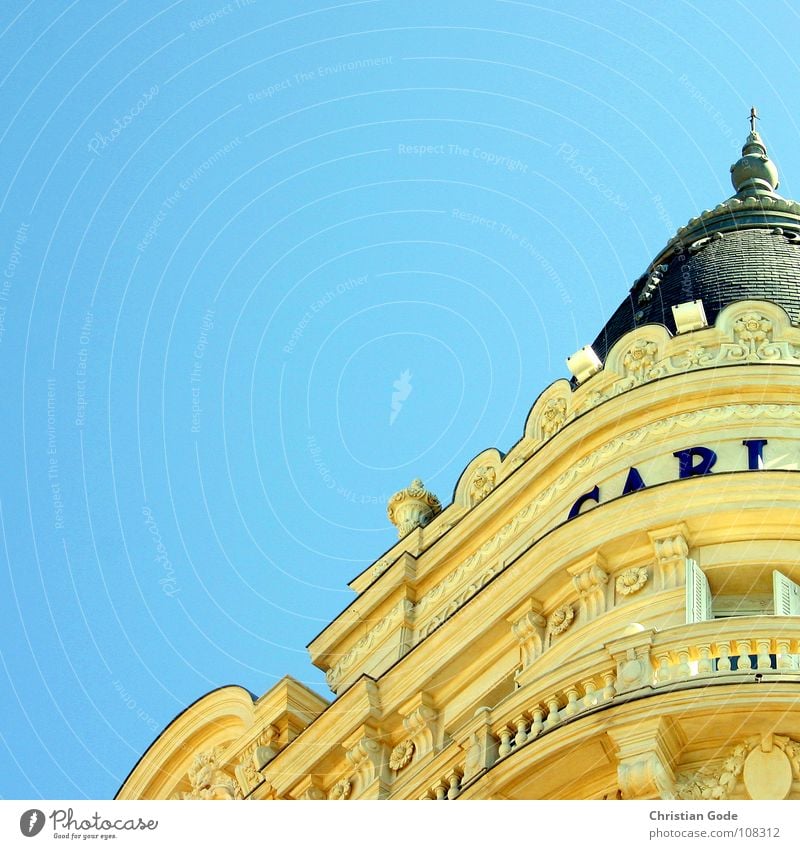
[(747, 247)]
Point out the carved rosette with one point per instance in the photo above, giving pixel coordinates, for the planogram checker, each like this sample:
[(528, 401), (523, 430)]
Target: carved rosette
[(483, 482), (631, 580), (553, 416), (341, 790), (401, 755), (560, 619), (412, 507)]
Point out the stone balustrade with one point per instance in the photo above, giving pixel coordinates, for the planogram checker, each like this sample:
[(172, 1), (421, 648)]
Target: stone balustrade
[(688, 655)]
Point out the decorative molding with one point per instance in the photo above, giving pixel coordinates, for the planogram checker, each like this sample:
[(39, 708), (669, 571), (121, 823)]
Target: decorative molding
[(640, 361), (401, 755), (767, 764), (716, 783), (560, 619), (646, 753), (255, 757), (631, 580), (589, 578), (483, 482), (667, 571), (207, 778), (367, 754), (529, 628), (553, 417), (421, 721), (671, 548), (341, 790), (403, 609)]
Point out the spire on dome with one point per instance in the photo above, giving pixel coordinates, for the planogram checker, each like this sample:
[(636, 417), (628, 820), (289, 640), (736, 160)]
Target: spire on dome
[(755, 173)]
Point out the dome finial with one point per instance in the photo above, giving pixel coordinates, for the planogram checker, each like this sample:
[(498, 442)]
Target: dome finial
[(755, 173)]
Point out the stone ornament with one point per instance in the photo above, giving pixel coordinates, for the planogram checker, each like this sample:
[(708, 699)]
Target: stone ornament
[(767, 765), (553, 416), (560, 619), (482, 483), (631, 580), (401, 755), (640, 359), (341, 790), (412, 507), (740, 335), (753, 329), (481, 566), (208, 780)]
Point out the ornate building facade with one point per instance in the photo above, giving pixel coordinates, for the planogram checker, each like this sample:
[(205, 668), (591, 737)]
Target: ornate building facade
[(610, 610)]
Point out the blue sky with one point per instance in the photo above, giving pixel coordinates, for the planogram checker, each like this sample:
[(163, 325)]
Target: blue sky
[(228, 230)]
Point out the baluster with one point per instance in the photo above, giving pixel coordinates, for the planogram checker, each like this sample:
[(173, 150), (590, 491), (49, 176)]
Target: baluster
[(683, 670), (440, 790), (537, 726), (763, 660), (505, 742), (663, 672), (704, 664), (743, 647), (522, 730), (552, 716), (455, 785), (590, 697), (609, 691), (572, 701), (783, 647), (724, 662)]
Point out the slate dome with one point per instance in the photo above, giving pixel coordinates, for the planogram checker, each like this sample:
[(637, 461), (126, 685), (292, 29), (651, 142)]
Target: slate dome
[(748, 247)]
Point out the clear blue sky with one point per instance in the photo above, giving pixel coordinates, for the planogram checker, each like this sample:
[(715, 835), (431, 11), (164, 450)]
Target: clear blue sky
[(228, 230)]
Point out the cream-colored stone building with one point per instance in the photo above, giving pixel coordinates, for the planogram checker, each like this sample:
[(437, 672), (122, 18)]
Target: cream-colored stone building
[(610, 610)]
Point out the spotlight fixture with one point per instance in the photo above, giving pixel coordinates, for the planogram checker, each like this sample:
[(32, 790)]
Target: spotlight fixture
[(584, 363), (689, 316)]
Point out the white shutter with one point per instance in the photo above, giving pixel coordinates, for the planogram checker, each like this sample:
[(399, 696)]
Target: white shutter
[(698, 593), (787, 595)]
